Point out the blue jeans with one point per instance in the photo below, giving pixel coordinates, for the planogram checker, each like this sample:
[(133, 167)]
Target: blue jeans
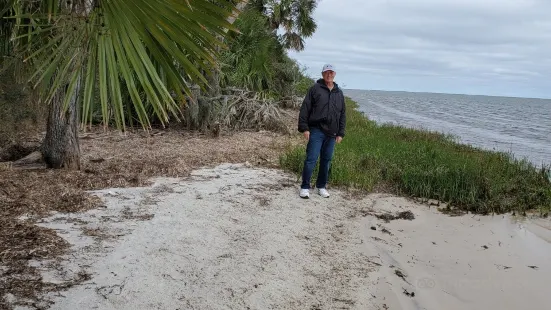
[(318, 144)]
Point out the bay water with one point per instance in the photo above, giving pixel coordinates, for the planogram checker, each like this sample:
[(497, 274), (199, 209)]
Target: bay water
[(520, 126)]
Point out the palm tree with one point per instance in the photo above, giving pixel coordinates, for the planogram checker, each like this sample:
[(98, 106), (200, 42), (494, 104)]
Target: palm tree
[(294, 16), (153, 50)]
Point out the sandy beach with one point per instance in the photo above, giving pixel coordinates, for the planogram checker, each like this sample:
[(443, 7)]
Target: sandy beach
[(238, 237)]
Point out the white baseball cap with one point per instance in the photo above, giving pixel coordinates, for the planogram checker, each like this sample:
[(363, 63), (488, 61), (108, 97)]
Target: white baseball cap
[(328, 67)]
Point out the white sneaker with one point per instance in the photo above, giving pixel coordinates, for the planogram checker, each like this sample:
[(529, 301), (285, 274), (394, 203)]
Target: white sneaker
[(323, 193), (304, 193)]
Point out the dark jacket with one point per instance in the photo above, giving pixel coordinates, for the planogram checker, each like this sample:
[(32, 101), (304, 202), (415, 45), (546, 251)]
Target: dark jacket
[(323, 109)]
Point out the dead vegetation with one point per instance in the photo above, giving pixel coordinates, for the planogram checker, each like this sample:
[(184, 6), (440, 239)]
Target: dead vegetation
[(403, 215), (238, 109), (109, 159)]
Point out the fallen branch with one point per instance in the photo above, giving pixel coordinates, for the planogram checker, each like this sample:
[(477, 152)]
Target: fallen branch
[(34, 159)]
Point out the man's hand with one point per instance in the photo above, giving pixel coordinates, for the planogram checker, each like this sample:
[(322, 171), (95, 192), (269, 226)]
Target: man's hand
[(339, 139), (307, 135)]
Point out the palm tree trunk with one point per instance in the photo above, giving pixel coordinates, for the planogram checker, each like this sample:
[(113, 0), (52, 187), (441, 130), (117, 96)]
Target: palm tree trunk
[(213, 80), (60, 148)]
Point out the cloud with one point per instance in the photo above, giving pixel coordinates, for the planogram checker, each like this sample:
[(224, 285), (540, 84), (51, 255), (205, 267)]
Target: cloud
[(496, 47)]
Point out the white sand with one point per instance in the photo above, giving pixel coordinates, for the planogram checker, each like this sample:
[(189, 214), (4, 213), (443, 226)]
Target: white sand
[(467, 262), (235, 237)]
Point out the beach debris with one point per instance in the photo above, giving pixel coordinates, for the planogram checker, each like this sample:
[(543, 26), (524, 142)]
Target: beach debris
[(502, 267), (485, 247), (412, 294), (403, 215), (387, 217), (373, 228), (386, 231), (533, 267), (97, 160), (344, 301), (375, 263), (434, 243), (365, 212), (433, 202), (379, 239), (401, 275)]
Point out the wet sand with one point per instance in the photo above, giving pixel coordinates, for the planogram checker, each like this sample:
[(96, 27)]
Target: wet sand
[(466, 262)]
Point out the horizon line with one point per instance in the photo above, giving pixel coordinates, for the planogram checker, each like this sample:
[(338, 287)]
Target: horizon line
[(444, 93)]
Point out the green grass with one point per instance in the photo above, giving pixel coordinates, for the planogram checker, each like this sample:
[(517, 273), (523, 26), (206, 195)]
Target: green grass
[(431, 165)]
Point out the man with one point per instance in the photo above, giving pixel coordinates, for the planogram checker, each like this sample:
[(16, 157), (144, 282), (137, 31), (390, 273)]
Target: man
[(322, 120)]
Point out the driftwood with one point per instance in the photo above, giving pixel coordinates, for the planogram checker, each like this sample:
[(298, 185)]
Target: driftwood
[(33, 160), (24, 155)]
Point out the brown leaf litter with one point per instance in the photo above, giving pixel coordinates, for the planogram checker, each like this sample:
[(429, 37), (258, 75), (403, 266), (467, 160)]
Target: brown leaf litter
[(109, 159)]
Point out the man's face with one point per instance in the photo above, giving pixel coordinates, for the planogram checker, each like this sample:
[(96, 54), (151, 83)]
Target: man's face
[(328, 76)]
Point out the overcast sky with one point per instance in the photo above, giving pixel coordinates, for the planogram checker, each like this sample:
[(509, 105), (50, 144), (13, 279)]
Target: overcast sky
[(489, 47)]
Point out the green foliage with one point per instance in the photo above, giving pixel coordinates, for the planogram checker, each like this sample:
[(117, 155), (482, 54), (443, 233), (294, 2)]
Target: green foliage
[(6, 28), (293, 17), (249, 60), (257, 61), (122, 83), (432, 165), (153, 48), (302, 83)]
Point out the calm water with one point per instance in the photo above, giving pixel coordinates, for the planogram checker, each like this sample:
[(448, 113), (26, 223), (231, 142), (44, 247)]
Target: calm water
[(518, 125)]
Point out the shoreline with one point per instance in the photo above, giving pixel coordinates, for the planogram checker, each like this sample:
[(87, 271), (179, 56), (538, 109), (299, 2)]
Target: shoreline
[(531, 148), (173, 154), (446, 94), (220, 238), (432, 165)]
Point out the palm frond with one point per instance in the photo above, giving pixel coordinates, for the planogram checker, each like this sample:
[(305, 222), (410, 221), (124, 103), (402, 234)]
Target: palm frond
[(158, 47), (293, 40)]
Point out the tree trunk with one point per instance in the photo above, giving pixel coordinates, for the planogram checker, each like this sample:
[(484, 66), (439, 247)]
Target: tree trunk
[(213, 81), (60, 147)]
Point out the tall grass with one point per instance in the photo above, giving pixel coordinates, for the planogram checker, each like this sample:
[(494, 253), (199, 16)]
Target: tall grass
[(431, 165)]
